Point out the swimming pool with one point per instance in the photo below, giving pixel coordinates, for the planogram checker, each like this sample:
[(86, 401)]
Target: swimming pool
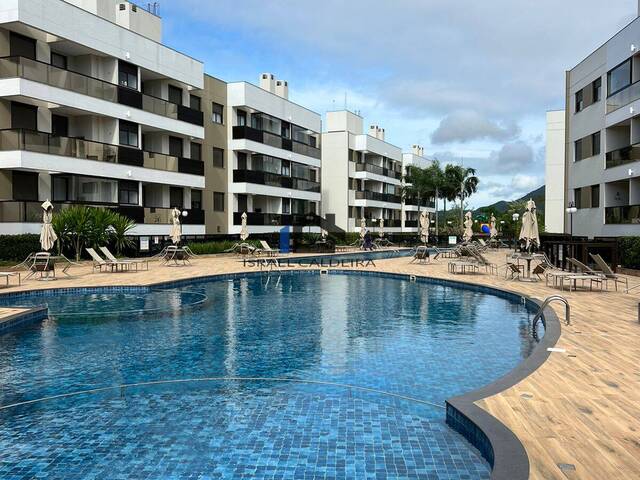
[(336, 376)]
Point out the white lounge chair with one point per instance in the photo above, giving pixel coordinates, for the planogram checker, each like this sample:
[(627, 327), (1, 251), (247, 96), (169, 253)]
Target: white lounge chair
[(112, 259), (99, 263), (267, 250)]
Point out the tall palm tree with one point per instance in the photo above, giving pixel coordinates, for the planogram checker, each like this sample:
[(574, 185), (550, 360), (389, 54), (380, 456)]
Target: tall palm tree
[(450, 185), (423, 183)]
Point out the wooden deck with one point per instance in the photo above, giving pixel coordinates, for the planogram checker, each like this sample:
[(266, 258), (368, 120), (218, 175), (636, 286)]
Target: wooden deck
[(578, 416)]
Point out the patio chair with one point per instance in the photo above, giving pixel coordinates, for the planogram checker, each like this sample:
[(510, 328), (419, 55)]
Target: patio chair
[(421, 255), (514, 269), (176, 255), (112, 259), (99, 263), (42, 265), (585, 270), (266, 249), (609, 273)]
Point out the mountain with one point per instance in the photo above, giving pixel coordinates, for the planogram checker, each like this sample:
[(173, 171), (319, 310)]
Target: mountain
[(502, 206)]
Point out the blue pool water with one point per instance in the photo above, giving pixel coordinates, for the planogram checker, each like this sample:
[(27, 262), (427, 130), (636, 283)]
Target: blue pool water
[(338, 376)]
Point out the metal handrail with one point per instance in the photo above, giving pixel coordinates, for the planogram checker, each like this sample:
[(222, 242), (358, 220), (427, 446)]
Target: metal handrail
[(544, 305)]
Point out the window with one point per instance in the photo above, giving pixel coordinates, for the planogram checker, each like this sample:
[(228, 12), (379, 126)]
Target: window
[(242, 161), (24, 185), (619, 77), (218, 157), (218, 202), (218, 112), (195, 102), (21, 46), (128, 133), (286, 206), (587, 147), (595, 144), (59, 126), (128, 193), (579, 101), (196, 151), (175, 147), (60, 188), (58, 60), (176, 197), (175, 95), (196, 199), (242, 118), (597, 89), (595, 196), (24, 116), (127, 75)]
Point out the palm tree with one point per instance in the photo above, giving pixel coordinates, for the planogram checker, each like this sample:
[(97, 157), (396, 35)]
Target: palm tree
[(423, 183), (461, 183), (121, 226), (450, 186)]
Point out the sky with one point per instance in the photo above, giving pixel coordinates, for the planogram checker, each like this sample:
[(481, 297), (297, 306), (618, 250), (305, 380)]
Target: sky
[(468, 80)]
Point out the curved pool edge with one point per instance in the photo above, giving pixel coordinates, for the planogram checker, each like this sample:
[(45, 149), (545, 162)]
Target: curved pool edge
[(497, 444), (23, 318)]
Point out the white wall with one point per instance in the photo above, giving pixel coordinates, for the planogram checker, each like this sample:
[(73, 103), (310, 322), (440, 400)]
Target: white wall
[(335, 175), (555, 172)]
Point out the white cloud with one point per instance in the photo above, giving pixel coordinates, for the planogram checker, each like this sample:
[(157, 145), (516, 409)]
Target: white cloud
[(465, 126)]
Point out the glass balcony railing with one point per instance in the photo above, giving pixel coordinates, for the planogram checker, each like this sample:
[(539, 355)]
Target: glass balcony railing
[(275, 180), (411, 223), (376, 169), (277, 219), (42, 142), (31, 212), (375, 223), (249, 133), (623, 97), (21, 67), (628, 214), (380, 197), (623, 156)]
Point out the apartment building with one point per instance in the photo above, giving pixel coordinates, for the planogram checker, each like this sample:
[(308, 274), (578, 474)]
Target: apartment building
[(361, 175), (554, 185), (603, 132), (411, 207), (274, 159), (95, 110)]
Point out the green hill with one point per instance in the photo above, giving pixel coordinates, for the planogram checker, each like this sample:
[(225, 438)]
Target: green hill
[(502, 206)]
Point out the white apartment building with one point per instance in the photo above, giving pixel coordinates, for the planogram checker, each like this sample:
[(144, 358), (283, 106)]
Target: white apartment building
[(554, 185), (603, 132), (410, 209), (361, 175), (95, 110), (274, 147)]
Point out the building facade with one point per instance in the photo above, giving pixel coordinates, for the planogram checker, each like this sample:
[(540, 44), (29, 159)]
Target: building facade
[(554, 185), (602, 162), (94, 110)]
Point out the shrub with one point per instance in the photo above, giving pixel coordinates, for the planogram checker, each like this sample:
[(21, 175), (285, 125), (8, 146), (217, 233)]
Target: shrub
[(209, 248), (629, 251), (18, 247)]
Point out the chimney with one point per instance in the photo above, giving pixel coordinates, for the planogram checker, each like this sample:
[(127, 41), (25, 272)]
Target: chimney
[(377, 132), (282, 88), (268, 82), (417, 150)]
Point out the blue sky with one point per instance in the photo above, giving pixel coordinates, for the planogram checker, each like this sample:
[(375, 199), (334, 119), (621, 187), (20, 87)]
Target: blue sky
[(470, 81)]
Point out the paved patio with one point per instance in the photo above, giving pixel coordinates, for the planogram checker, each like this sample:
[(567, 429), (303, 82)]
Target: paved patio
[(578, 416)]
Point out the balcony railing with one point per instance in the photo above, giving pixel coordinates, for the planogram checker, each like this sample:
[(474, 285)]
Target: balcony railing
[(277, 219), (623, 97), (31, 212), (376, 169), (623, 156), (274, 180), (375, 223), (423, 203), (42, 142), (628, 214), (249, 133), (380, 197), (411, 223), (21, 67)]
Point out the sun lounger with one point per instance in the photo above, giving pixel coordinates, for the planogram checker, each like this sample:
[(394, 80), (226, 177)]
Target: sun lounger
[(483, 262), (609, 273), (585, 270), (111, 258), (43, 265), (6, 275), (421, 255), (267, 250), (99, 263), (444, 253)]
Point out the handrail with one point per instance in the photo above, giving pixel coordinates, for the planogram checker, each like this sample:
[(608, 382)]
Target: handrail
[(544, 305)]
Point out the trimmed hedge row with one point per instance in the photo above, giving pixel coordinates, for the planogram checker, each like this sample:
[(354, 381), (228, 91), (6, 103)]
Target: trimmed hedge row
[(18, 247), (629, 251)]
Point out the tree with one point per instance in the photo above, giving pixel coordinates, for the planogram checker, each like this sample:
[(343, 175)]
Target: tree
[(121, 226), (423, 183), (461, 183), (450, 186)]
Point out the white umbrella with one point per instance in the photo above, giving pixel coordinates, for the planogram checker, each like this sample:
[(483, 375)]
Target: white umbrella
[(494, 230), (176, 230), (47, 236), (363, 227), (381, 227), (468, 230), (529, 230), (424, 227), (244, 231)]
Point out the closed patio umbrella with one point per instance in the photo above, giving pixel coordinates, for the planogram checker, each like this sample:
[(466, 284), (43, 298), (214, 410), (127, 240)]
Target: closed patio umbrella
[(244, 231), (176, 229), (468, 228), (424, 227), (494, 231), (47, 236), (529, 231), (363, 228), (381, 227)]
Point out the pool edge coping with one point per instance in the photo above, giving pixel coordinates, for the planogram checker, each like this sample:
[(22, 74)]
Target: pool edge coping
[(504, 451)]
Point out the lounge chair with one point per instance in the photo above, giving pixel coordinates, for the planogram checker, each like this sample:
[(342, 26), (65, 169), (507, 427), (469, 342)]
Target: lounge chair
[(267, 250), (609, 273), (514, 269), (444, 252), (112, 259), (585, 271), (483, 262), (176, 255), (421, 255), (42, 265), (99, 263)]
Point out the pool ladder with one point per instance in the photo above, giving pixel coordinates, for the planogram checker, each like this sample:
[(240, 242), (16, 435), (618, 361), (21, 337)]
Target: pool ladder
[(548, 300)]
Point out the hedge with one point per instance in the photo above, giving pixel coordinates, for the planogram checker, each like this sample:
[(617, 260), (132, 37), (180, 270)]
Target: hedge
[(207, 248), (18, 247), (629, 252)]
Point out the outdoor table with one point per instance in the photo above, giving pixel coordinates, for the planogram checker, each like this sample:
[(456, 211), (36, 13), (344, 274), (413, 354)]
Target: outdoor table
[(528, 258)]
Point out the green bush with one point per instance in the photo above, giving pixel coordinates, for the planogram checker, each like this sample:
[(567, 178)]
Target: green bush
[(18, 247), (209, 248), (629, 252)]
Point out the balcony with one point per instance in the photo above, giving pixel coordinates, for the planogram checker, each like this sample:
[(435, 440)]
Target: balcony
[(369, 167), (411, 223), (623, 97), (245, 132), (423, 203), (277, 219), (275, 180), (626, 215), (623, 156), (31, 212), (21, 67), (375, 223), (42, 142), (380, 197)]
